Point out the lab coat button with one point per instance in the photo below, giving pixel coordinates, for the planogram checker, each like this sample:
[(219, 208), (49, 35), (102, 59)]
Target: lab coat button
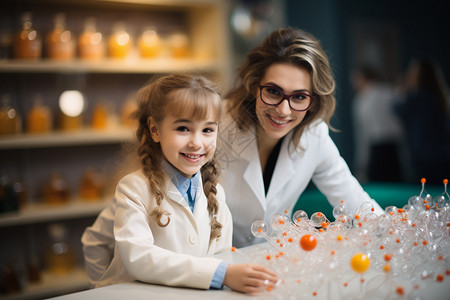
[(193, 239)]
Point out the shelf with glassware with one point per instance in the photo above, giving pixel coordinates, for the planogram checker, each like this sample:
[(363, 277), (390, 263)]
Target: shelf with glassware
[(116, 66), (63, 139), (146, 37), (40, 212), (190, 36)]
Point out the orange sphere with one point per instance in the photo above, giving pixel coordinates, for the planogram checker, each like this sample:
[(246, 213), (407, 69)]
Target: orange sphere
[(308, 242), (360, 263)]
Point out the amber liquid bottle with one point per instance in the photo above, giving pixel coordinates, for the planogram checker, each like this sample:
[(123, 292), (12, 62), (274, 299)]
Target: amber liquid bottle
[(60, 42), (27, 42), (60, 257), (119, 44), (149, 43), (56, 191), (39, 118), (90, 42), (91, 186), (100, 117), (9, 119), (179, 45)]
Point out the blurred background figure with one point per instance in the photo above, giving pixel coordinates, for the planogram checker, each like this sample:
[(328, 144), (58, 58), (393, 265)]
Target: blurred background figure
[(378, 131), (424, 111)]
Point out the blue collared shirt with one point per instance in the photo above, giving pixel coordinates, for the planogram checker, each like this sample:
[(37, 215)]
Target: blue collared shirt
[(188, 188)]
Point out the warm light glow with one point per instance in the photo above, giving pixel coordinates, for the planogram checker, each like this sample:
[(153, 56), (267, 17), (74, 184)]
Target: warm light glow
[(71, 103)]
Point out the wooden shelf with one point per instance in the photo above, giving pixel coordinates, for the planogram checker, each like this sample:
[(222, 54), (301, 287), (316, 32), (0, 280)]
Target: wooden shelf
[(52, 285), (40, 212), (116, 66), (61, 139), (151, 3)]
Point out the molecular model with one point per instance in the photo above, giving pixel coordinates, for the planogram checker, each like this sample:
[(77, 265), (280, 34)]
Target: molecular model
[(405, 249)]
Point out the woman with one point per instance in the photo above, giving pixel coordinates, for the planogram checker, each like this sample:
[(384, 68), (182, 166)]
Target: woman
[(272, 148)]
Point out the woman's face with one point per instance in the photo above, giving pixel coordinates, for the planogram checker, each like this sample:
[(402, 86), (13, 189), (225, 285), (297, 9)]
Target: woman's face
[(277, 121)]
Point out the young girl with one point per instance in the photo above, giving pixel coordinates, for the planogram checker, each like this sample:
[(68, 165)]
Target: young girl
[(168, 218)]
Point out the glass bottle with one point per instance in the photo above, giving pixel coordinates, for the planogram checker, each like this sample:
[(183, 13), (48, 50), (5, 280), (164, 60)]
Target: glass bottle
[(149, 43), (91, 186), (119, 44), (27, 42), (179, 45), (39, 118), (71, 106), (100, 117), (60, 42), (9, 119), (12, 194), (56, 191), (60, 257), (90, 43)]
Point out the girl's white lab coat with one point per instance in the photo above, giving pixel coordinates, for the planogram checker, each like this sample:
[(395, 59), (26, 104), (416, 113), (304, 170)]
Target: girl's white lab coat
[(242, 177), (176, 255)]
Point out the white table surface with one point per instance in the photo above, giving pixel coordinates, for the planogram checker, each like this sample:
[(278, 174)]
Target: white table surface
[(138, 290)]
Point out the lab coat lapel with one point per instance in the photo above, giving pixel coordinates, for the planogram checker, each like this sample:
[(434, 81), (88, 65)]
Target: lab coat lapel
[(175, 195), (200, 207), (253, 172), (284, 169)]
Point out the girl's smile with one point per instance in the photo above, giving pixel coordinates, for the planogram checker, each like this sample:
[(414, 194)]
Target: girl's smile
[(194, 158), (186, 144)]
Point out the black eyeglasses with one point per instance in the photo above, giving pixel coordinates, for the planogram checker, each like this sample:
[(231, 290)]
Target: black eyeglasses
[(272, 95)]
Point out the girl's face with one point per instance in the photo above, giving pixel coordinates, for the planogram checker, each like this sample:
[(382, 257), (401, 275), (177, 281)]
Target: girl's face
[(277, 121), (186, 144)]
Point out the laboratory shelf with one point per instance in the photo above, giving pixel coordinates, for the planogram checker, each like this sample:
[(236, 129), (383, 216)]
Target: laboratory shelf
[(109, 66), (41, 212), (65, 138)]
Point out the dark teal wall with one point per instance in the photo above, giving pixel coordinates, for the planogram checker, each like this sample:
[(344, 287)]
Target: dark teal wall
[(423, 28)]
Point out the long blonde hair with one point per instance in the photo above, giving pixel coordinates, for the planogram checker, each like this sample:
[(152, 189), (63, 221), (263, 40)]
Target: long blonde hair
[(285, 45), (181, 94)]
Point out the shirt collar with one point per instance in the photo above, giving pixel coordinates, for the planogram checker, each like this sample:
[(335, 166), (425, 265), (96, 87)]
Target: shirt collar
[(180, 181)]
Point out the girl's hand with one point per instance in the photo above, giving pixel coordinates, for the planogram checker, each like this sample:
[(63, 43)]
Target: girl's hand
[(249, 278)]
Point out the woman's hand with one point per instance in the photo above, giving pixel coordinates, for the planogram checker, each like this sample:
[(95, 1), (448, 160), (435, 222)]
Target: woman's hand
[(249, 278)]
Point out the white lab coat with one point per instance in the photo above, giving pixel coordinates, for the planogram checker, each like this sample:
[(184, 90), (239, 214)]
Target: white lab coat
[(176, 255), (242, 176)]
